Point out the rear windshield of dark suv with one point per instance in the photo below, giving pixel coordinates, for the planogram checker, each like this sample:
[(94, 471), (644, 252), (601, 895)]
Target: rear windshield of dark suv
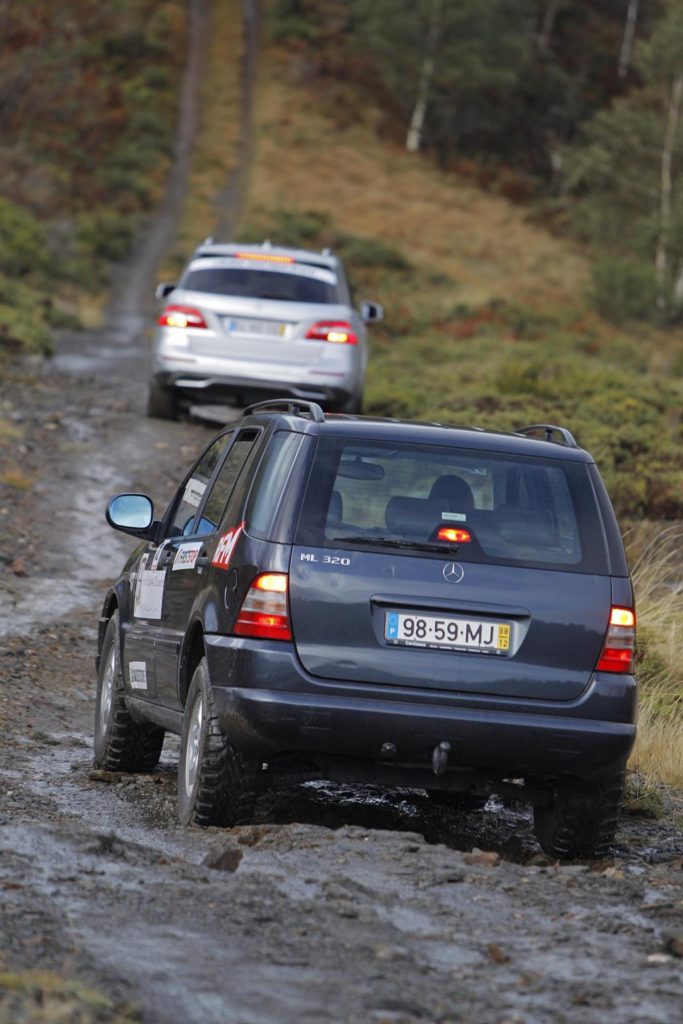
[(285, 286), (478, 506)]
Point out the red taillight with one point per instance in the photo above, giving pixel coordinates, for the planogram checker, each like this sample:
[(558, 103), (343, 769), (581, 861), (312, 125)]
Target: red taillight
[(264, 612), (453, 536), (181, 316), (619, 646), (338, 332)]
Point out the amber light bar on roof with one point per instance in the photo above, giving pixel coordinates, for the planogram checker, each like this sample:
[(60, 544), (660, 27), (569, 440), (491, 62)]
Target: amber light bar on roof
[(263, 257)]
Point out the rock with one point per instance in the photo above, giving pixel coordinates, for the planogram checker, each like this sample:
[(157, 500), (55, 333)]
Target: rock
[(100, 775), (18, 567), (223, 858), (496, 954), (483, 858), (658, 958), (616, 873), (673, 943)]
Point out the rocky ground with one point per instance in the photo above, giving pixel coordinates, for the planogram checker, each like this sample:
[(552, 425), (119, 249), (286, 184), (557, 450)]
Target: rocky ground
[(342, 904)]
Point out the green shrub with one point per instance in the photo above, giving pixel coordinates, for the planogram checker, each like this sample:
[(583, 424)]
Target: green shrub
[(22, 241), (624, 290), (106, 234)]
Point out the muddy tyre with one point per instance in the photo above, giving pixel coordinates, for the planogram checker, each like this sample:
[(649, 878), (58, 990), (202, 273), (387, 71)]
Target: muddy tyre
[(121, 745), (162, 402), (464, 802), (216, 784), (581, 820)]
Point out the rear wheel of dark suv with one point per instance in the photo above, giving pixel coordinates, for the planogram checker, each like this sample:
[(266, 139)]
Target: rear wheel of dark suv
[(216, 784), (580, 819)]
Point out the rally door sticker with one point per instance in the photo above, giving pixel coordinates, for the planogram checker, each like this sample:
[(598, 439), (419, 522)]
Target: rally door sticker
[(137, 673), (226, 546), (149, 591), (187, 555)]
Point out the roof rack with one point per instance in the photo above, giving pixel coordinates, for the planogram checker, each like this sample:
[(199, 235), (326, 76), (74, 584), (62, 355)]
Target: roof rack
[(549, 429), (293, 407)]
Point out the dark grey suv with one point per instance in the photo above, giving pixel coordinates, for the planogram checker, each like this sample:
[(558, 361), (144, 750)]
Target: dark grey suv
[(362, 599)]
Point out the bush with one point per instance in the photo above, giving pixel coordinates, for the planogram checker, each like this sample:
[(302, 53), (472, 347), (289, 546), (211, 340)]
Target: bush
[(624, 290), (22, 241)]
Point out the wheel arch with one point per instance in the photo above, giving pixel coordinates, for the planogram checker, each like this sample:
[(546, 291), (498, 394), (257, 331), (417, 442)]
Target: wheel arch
[(191, 654), (109, 606)]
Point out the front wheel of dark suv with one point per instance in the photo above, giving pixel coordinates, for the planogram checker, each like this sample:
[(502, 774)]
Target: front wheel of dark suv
[(120, 743), (216, 784), (581, 818)]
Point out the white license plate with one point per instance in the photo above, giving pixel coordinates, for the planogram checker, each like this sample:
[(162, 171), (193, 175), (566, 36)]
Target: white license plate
[(267, 328), (445, 632)]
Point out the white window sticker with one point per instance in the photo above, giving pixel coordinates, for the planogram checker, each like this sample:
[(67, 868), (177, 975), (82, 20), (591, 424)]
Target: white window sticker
[(187, 555), (194, 492), (157, 554), (136, 580), (137, 673), (454, 517), (149, 594)]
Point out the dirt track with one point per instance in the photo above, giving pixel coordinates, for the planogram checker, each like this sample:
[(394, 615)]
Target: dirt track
[(341, 904), (346, 904)]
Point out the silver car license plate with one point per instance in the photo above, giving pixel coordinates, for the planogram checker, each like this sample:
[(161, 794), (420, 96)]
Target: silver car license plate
[(265, 328)]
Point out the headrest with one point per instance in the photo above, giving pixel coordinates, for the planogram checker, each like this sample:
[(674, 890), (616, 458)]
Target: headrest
[(454, 490), (413, 517)]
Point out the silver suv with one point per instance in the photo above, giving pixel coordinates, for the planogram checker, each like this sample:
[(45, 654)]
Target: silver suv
[(246, 322)]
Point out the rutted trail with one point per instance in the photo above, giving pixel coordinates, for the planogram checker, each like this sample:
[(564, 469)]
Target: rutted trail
[(342, 904)]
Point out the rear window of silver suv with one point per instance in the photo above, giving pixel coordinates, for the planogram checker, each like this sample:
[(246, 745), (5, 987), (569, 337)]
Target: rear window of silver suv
[(289, 285)]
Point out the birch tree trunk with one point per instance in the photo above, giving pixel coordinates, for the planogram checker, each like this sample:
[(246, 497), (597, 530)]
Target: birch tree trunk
[(545, 31), (627, 41), (414, 137), (661, 254)]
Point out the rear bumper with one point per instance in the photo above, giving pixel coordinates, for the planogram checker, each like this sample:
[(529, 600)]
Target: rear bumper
[(268, 705), (215, 389)]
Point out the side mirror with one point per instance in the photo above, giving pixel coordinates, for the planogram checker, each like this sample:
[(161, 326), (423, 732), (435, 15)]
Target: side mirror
[(371, 312), (132, 513), (164, 289)]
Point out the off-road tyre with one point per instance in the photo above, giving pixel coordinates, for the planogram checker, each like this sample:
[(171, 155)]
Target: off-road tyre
[(581, 819), (162, 402), (352, 406), (465, 802), (221, 789), (121, 744)]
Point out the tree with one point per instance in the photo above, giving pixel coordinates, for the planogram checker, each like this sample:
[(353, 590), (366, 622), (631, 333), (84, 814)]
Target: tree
[(628, 169)]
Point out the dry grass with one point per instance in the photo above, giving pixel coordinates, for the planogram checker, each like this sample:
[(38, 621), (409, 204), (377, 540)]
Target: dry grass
[(215, 148), (306, 160), (41, 997), (658, 581), (14, 476)]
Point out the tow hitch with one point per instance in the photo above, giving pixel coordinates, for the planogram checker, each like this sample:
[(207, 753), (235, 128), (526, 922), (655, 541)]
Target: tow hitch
[(440, 757)]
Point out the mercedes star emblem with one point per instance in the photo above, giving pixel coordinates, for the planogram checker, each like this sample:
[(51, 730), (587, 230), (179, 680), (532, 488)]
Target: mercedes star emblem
[(453, 573)]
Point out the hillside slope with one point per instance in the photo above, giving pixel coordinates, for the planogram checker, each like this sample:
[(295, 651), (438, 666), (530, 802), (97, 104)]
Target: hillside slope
[(487, 320)]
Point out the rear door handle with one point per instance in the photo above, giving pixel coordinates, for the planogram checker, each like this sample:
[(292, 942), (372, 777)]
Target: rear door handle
[(202, 560)]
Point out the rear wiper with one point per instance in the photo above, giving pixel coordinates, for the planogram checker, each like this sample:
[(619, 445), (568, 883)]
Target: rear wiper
[(390, 542)]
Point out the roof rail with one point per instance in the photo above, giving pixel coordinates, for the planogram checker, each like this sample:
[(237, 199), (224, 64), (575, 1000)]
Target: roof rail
[(293, 407), (549, 429)]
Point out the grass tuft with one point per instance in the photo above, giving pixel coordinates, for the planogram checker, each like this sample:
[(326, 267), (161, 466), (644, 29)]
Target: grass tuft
[(658, 582)]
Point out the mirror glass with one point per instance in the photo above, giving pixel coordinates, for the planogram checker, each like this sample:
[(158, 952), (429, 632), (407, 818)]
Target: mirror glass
[(133, 511)]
